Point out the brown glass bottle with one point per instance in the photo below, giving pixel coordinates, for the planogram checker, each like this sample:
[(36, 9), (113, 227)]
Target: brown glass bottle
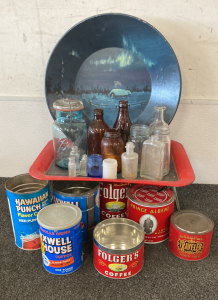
[(112, 146), (123, 122), (96, 132)]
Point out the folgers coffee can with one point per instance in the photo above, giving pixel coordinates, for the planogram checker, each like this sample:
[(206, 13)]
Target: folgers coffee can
[(85, 195), (190, 234), (61, 238), (118, 248), (113, 200), (26, 197), (152, 210)]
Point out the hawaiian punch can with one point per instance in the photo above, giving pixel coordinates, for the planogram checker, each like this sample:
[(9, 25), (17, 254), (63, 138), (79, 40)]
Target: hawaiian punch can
[(118, 246), (113, 200), (190, 234), (26, 197), (152, 210), (61, 238)]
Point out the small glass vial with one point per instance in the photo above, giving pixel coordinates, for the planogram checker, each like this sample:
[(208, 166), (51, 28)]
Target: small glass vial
[(83, 165), (75, 153), (72, 167), (152, 159), (138, 134), (110, 168), (162, 130), (129, 162), (95, 165)]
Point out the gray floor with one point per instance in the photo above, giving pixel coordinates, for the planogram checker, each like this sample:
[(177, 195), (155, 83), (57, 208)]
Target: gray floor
[(163, 276)]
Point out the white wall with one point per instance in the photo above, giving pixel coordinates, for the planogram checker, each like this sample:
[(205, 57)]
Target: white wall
[(29, 31)]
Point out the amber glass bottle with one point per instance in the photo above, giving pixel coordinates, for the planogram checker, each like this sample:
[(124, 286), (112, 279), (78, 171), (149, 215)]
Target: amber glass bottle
[(112, 146), (96, 132), (123, 122)]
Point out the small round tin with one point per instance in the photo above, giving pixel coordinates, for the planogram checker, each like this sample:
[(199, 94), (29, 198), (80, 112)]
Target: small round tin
[(151, 209), (61, 238), (118, 248), (190, 234)]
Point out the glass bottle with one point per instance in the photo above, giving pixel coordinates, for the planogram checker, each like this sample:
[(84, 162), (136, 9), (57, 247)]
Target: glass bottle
[(123, 122), (129, 162), (112, 146), (68, 129), (83, 165), (76, 154), (152, 159), (162, 130), (95, 165), (96, 132), (138, 134), (72, 167)]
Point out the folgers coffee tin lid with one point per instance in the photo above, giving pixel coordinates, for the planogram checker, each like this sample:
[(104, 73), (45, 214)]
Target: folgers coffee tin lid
[(190, 234), (61, 238), (118, 248)]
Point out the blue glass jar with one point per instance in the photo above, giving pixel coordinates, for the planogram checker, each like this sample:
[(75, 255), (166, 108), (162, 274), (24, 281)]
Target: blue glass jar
[(69, 129)]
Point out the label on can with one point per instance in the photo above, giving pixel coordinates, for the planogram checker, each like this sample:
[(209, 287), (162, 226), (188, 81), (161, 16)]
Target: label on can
[(61, 249), (24, 209), (113, 200), (151, 210), (118, 266), (189, 246)]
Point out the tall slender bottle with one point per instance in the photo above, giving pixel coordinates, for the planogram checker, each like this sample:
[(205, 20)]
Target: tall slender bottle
[(96, 132), (123, 122)]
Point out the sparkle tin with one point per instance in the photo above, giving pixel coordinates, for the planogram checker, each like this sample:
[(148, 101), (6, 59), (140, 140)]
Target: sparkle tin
[(118, 248), (85, 195), (61, 239), (190, 234), (151, 209), (26, 197)]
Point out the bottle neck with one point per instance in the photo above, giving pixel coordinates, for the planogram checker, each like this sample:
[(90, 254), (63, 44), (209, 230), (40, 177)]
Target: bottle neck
[(98, 117), (112, 133)]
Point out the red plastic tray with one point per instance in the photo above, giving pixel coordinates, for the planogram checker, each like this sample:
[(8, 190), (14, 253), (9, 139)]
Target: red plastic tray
[(181, 172)]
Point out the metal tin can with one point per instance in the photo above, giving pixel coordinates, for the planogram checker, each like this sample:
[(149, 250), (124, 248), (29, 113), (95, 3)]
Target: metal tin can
[(61, 239), (152, 210), (26, 197), (85, 195), (190, 234), (118, 248), (113, 200)]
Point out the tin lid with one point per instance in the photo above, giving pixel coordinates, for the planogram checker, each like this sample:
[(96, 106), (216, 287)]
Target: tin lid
[(192, 222), (68, 105), (59, 216), (149, 195)]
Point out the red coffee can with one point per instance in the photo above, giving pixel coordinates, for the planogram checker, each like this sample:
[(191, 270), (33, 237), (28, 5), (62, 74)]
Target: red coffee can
[(118, 248), (152, 210), (190, 234), (113, 200)]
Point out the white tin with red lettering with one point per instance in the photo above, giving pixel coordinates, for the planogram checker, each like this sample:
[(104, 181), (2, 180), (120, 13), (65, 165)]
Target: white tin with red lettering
[(118, 248), (152, 210)]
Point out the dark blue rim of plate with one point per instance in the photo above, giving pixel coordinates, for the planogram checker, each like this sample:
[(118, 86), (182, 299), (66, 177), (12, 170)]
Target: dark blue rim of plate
[(116, 31)]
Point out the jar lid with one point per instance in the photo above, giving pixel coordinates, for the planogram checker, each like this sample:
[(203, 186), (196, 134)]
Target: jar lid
[(59, 216), (68, 105), (110, 163), (192, 222)]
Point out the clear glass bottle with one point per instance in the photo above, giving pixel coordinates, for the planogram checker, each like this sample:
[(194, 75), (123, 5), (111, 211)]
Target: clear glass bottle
[(83, 165), (152, 159), (68, 129), (72, 167), (138, 134), (162, 130), (76, 154), (112, 146), (96, 132), (129, 162), (123, 122)]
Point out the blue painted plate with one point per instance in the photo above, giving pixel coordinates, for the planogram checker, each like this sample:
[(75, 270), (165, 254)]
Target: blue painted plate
[(111, 57)]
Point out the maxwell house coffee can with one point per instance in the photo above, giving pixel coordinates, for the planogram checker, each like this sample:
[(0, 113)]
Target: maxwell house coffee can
[(152, 210), (190, 234), (118, 246), (61, 238), (113, 200)]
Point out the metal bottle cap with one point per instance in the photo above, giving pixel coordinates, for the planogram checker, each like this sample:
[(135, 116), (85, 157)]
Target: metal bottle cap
[(68, 105)]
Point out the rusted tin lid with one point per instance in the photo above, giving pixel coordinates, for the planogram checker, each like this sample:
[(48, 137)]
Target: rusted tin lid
[(192, 222), (150, 195), (68, 105)]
